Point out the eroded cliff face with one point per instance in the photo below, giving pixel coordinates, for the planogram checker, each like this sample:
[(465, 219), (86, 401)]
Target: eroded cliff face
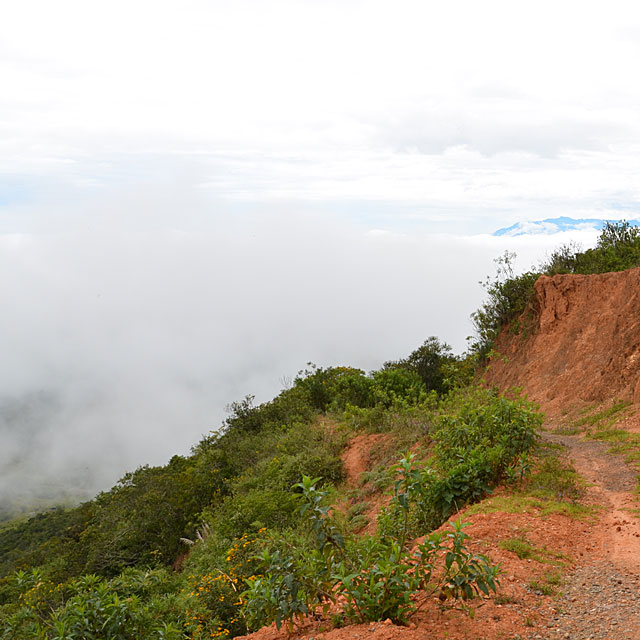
[(583, 347)]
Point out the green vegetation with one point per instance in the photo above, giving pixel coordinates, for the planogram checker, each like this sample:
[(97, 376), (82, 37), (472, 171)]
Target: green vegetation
[(541, 588), (604, 418), (511, 298), (599, 424), (376, 577), (521, 547), (551, 486), (217, 542), (241, 533)]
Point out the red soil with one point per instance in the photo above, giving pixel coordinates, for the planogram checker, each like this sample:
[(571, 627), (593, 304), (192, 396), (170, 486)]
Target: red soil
[(584, 346)]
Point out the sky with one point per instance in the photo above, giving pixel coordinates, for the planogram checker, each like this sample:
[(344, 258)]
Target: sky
[(197, 198)]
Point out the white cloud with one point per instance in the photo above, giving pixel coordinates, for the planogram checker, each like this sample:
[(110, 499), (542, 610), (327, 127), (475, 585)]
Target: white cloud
[(121, 347), (198, 197), (323, 100)]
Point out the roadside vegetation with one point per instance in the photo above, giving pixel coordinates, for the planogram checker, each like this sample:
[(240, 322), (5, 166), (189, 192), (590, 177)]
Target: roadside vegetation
[(241, 533), (546, 484)]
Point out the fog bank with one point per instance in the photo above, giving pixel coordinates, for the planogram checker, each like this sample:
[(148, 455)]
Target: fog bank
[(123, 343)]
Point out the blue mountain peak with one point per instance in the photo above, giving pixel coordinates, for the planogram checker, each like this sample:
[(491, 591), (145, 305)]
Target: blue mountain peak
[(555, 225)]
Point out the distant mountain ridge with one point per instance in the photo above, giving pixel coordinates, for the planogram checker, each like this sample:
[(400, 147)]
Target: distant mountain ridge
[(554, 225)]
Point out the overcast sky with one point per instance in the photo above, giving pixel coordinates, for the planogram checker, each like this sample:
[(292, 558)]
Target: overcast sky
[(197, 198)]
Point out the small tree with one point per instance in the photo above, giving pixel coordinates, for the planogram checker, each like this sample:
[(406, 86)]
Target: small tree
[(615, 234), (429, 361)]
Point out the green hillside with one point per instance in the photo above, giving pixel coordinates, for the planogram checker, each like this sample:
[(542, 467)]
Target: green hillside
[(241, 532), (167, 551)]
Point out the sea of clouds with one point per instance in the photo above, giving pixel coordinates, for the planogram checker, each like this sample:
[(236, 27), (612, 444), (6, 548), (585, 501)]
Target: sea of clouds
[(123, 342)]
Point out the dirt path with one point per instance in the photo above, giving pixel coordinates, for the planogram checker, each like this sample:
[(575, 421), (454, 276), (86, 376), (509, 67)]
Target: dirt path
[(602, 597)]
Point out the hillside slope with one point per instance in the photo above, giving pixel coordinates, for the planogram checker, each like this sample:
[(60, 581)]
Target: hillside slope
[(561, 520), (579, 358), (582, 348)]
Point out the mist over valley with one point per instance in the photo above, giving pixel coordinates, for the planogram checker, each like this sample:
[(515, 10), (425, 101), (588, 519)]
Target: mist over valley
[(122, 348)]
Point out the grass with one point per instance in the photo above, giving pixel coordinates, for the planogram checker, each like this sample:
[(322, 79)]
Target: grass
[(358, 523), (356, 518), (503, 598), (357, 509), (622, 443), (599, 425), (544, 507), (379, 478), (616, 435), (553, 478), (553, 487), (600, 420), (526, 551), (568, 431), (551, 578), (522, 548), (541, 588)]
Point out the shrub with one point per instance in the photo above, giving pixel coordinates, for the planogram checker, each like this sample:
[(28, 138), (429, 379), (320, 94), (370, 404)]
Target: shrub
[(394, 383), (509, 296), (429, 362), (335, 387), (375, 577), (479, 437)]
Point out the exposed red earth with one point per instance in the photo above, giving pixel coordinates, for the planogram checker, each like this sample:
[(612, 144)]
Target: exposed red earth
[(582, 348)]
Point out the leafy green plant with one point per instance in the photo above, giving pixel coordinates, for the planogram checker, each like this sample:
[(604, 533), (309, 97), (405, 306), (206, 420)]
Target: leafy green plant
[(375, 577), (238, 481), (508, 296), (429, 363), (519, 470), (289, 589), (282, 594)]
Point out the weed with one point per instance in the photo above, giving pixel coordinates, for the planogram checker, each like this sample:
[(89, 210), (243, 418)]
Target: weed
[(604, 418), (555, 479), (522, 548), (623, 443), (553, 577), (541, 588), (526, 551), (358, 523), (502, 599), (615, 435), (376, 577), (536, 505), (568, 431), (357, 509), (553, 487), (379, 478)]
